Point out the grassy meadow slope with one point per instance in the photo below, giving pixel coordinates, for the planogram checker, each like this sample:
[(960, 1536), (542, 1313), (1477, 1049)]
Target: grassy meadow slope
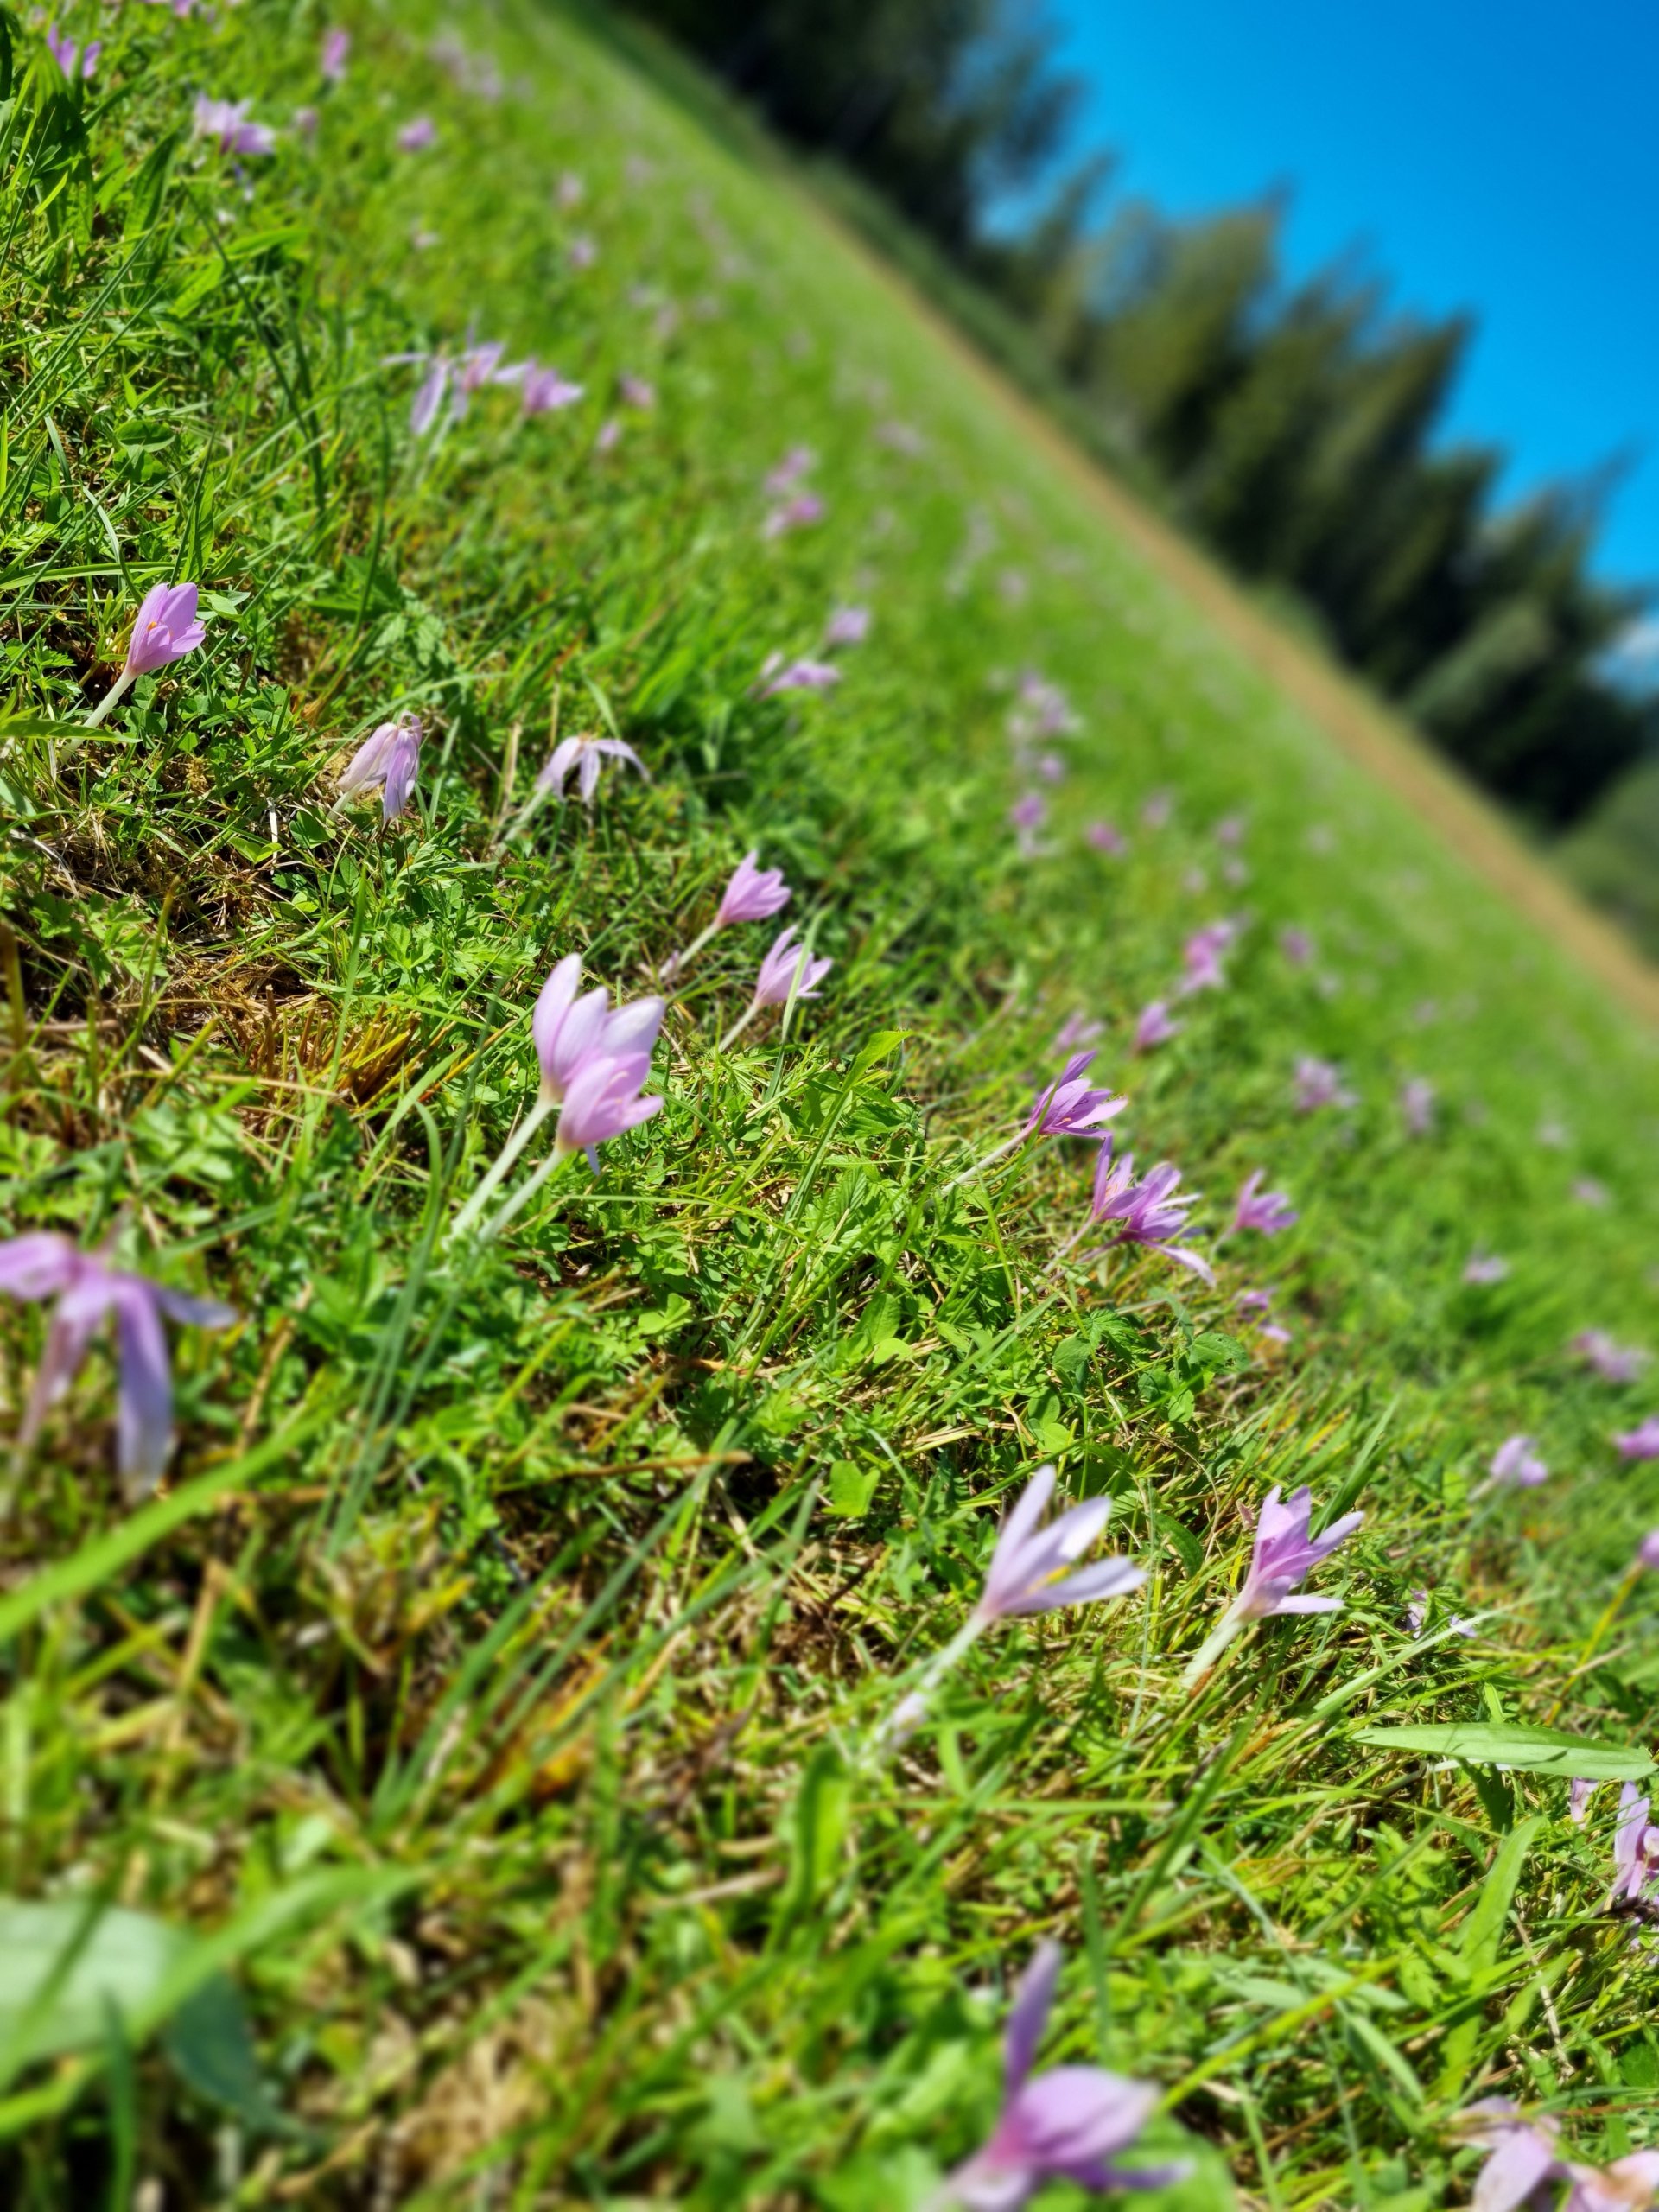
[(462, 1783)]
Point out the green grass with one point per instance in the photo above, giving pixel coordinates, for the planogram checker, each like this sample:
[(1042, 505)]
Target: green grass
[(485, 1706)]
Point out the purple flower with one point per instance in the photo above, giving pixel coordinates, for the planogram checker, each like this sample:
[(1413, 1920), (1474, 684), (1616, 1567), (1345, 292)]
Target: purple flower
[(1203, 954), (1070, 2124), (1417, 1106), (1641, 1442), (1284, 1554), (582, 253), (608, 435), (778, 676), (66, 55), (1318, 1084), (1647, 1552), (165, 629), (1614, 1362), (1515, 1466), (1102, 837), (88, 1291), (1043, 711), (1635, 1846), (336, 47), (1157, 811), (1485, 1268), (1589, 1192), (1154, 1026), (226, 122), (1068, 1108), (789, 969), (1078, 1029), (1416, 1613), (796, 465), (1050, 767), (1027, 1557), (306, 120), (1030, 812), (753, 895), (544, 391), (594, 1061), (848, 625), (1580, 1793), (587, 755), (569, 192), (1525, 2164), (1297, 946), (1230, 830), (1149, 1210), (799, 513), (418, 136), (636, 392), (1267, 1210), (389, 757)]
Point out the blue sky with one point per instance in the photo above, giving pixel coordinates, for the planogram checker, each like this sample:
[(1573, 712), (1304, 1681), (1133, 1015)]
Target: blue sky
[(1501, 156)]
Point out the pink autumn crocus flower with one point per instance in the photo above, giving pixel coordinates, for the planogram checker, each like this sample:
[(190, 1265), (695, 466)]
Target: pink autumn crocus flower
[(1484, 1269), (1614, 1362), (779, 676), (790, 969), (754, 894), (336, 50), (587, 755), (165, 628), (1417, 1107), (1069, 1107), (1515, 1466), (1154, 1026), (568, 1030), (636, 393), (1028, 1559), (1078, 1029), (1296, 945), (794, 466), (1102, 837), (799, 513), (69, 57), (1072, 2123), (388, 760), (544, 392), (226, 124), (418, 136), (1149, 1212), (848, 625), (1268, 1211), (1285, 1552), (1641, 1442), (1525, 2166), (1317, 1084), (89, 1292), (1579, 1793), (1202, 954), (582, 253), (1635, 1846)]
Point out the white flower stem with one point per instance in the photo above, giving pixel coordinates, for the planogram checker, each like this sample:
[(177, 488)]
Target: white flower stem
[(677, 962), (522, 1197), (1213, 1645), (117, 691), (891, 1733), (503, 1166), (738, 1027), (997, 1152)]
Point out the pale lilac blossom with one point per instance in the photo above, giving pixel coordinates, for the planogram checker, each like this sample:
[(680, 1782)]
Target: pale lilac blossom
[(1647, 1552), (1589, 1192), (1026, 818), (608, 436), (1050, 767), (336, 50), (1230, 830), (587, 755), (1284, 1553), (797, 513), (790, 969), (1268, 1211), (1297, 946), (1641, 1442), (753, 895), (1102, 837), (1484, 1269), (69, 57), (1318, 1084), (1202, 954), (1155, 1026), (1515, 1466), (1078, 1029), (792, 471), (1069, 1107), (1417, 1106), (1525, 2166), (388, 760), (1028, 1559), (778, 675), (1580, 1793), (848, 625), (89, 1292), (544, 392), (1072, 2123), (1157, 811), (166, 628), (418, 136), (1613, 1361), (569, 192), (635, 393), (1635, 1846), (582, 253), (1150, 1212), (226, 122)]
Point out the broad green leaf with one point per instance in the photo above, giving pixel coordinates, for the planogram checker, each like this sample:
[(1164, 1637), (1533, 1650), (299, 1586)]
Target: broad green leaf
[(1527, 1750)]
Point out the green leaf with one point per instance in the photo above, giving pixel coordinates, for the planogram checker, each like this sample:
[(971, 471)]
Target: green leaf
[(851, 1489), (67, 1962), (1529, 1750)]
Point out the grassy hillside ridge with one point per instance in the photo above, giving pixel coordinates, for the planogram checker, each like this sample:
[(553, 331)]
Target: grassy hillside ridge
[(491, 1692)]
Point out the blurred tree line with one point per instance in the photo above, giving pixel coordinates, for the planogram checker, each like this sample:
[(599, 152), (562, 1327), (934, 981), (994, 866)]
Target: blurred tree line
[(1293, 426)]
